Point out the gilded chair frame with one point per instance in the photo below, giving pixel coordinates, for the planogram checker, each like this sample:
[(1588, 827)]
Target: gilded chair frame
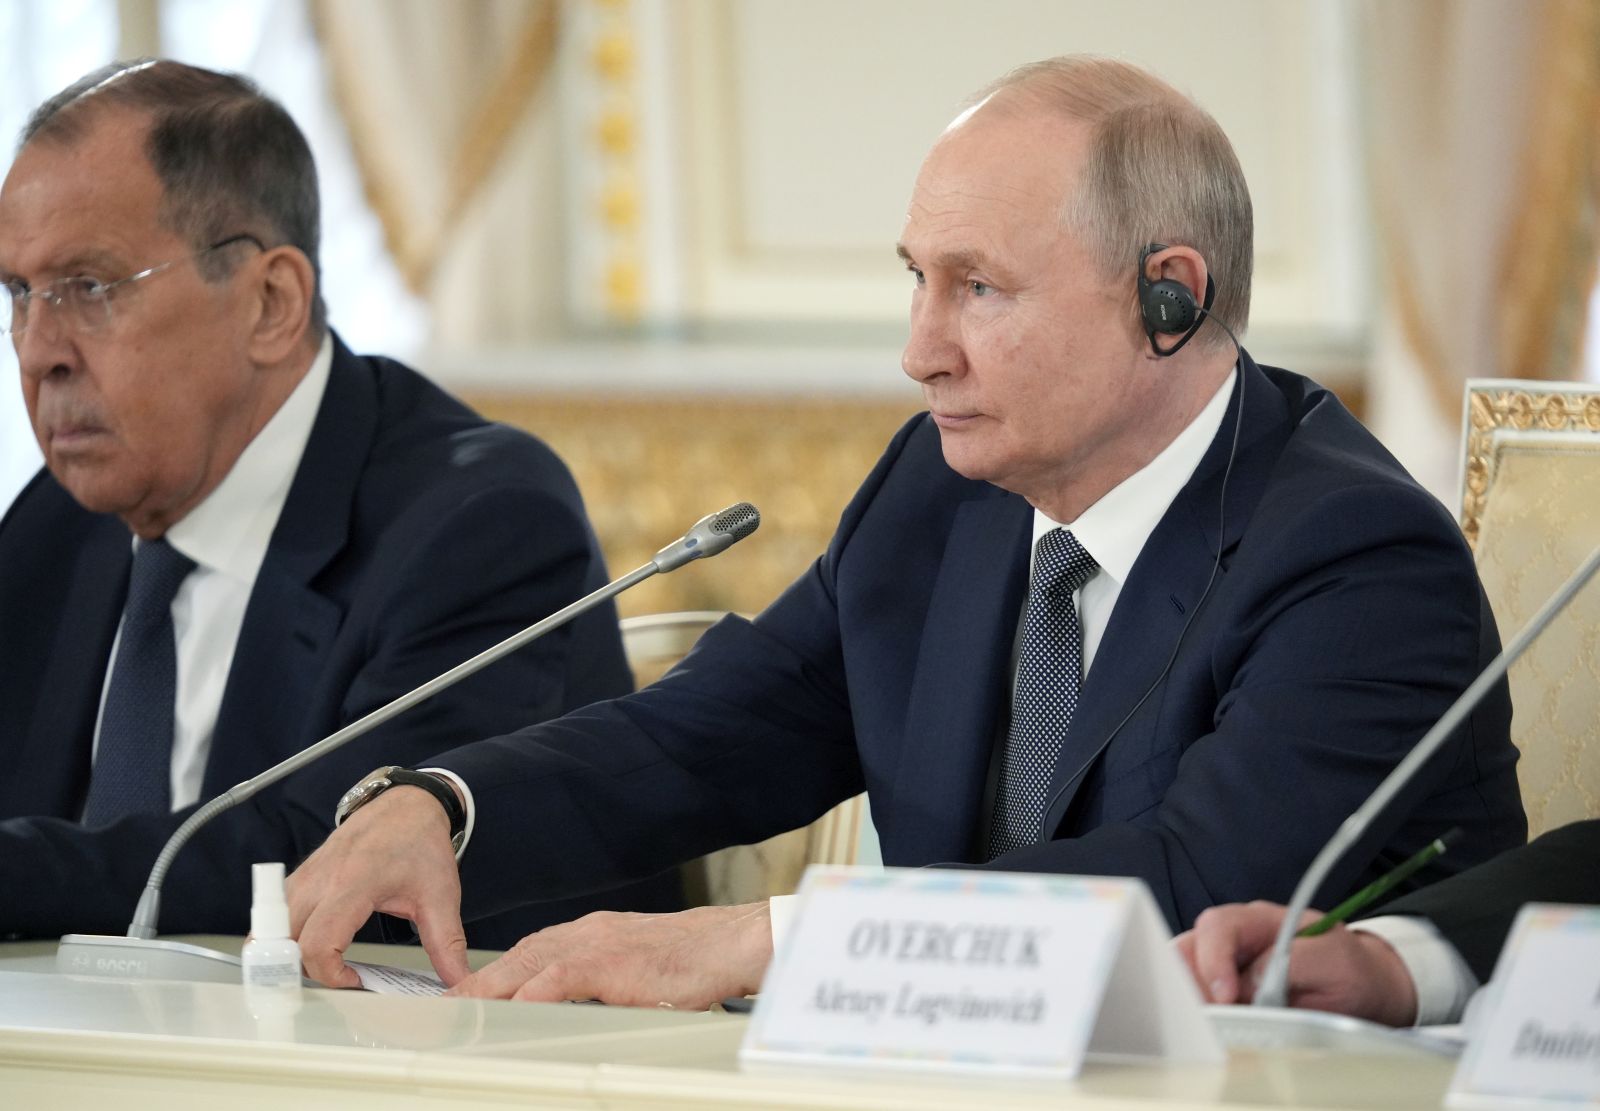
[(1530, 509)]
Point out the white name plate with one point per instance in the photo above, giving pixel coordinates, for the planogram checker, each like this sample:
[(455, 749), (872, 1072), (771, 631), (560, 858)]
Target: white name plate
[(1538, 1039), (977, 972)]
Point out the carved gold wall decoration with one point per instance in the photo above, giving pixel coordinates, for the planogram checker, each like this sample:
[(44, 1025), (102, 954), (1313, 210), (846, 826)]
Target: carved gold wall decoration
[(614, 132), (613, 54), (613, 62), (650, 466), (619, 205), (625, 286)]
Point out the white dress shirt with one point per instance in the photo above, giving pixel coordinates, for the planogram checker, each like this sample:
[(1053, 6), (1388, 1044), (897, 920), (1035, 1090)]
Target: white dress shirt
[(1114, 531), (227, 536), (1443, 979)]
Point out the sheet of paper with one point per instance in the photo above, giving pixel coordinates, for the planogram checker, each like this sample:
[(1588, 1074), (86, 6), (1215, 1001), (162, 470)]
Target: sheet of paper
[(388, 980)]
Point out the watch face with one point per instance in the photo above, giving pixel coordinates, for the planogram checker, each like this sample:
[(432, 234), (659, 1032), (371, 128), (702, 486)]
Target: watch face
[(362, 792)]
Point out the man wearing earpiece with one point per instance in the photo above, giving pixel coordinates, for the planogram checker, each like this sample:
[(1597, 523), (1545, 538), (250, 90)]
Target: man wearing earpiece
[(1122, 602)]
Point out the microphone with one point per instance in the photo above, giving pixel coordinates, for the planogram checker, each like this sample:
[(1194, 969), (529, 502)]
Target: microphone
[(710, 535), (140, 955), (1272, 991)]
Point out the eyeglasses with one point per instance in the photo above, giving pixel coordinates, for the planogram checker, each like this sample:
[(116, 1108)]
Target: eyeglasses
[(83, 303)]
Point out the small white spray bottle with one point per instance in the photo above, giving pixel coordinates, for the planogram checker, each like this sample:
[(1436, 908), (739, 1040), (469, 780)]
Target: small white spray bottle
[(271, 958)]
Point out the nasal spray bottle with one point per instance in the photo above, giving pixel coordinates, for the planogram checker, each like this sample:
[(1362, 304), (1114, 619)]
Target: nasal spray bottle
[(271, 958)]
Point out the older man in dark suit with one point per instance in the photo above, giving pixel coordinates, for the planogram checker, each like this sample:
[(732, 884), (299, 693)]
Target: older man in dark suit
[(246, 536), (1122, 602)]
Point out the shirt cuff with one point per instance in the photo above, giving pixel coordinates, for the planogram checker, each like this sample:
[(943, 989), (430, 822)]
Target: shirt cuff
[(782, 909), (466, 800), (1443, 981)]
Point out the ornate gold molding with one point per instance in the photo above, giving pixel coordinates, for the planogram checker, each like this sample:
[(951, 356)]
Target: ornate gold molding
[(649, 465), (619, 208), (1498, 407)]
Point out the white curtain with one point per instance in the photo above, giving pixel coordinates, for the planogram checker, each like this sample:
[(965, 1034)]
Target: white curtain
[(459, 147), (42, 48), (1485, 125)]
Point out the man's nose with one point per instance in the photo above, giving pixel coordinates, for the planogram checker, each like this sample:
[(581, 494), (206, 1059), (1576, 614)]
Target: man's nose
[(45, 343), (933, 348)]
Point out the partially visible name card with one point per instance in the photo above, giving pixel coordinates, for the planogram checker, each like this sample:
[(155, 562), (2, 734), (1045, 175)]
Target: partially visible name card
[(1538, 1039), (977, 972)]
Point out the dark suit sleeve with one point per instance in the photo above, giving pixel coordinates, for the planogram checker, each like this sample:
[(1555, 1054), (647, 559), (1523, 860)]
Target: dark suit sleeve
[(462, 573), (1361, 625), (1474, 911), (750, 736)]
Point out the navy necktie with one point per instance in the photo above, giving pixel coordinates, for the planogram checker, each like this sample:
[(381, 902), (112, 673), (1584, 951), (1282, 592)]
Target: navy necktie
[(1045, 695), (133, 762)]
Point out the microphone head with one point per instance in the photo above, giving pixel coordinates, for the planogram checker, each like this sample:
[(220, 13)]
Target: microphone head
[(710, 535), (735, 522)]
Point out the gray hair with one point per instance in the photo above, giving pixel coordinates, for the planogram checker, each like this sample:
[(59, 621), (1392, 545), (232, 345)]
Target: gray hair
[(1159, 170), (229, 158)]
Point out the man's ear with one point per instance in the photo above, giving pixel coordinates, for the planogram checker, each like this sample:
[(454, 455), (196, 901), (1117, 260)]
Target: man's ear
[(285, 290), (1179, 264)]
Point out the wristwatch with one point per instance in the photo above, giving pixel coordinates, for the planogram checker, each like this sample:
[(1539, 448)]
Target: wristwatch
[(379, 781)]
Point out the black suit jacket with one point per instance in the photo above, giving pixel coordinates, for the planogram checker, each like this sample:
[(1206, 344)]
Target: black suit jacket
[(1345, 618), (1474, 910), (415, 534)]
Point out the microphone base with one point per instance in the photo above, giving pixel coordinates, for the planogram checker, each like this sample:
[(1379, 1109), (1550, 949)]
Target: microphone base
[(132, 958), (1245, 1027)]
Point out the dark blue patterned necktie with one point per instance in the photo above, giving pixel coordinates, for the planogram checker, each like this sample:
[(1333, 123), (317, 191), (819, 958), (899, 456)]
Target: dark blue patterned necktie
[(133, 762), (1049, 673)]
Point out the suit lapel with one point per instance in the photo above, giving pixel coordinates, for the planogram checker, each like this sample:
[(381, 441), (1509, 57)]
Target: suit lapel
[(1167, 583), (289, 624), (962, 664), (1164, 587), (69, 701)]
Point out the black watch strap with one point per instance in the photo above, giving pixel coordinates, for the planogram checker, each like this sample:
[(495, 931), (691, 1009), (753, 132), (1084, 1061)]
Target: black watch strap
[(439, 789)]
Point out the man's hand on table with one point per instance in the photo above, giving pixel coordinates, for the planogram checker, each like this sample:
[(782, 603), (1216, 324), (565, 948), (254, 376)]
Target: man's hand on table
[(393, 856), (686, 961)]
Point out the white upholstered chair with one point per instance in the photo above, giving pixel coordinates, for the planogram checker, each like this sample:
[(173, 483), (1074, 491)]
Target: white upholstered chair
[(1530, 507), (742, 873)]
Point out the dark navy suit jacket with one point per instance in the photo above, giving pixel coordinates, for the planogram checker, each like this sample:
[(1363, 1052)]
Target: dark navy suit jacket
[(415, 535), (1345, 618)]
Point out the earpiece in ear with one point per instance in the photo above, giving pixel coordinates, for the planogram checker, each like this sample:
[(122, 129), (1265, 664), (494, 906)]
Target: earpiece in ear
[(1168, 306)]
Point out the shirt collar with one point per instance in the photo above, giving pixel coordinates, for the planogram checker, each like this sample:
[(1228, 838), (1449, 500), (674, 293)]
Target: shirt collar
[(1114, 529), (229, 531)]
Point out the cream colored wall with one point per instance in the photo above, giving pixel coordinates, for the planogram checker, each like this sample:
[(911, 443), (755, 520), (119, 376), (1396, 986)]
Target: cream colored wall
[(775, 147)]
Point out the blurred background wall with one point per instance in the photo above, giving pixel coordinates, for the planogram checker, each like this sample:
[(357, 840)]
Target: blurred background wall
[(660, 233)]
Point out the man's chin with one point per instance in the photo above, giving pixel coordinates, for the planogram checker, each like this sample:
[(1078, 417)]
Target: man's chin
[(963, 456), (92, 485)]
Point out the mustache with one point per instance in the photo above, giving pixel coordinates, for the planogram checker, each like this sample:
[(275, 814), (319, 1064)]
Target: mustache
[(56, 412)]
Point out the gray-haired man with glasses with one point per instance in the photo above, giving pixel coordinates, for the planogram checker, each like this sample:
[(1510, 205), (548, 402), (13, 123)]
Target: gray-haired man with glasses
[(245, 536)]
